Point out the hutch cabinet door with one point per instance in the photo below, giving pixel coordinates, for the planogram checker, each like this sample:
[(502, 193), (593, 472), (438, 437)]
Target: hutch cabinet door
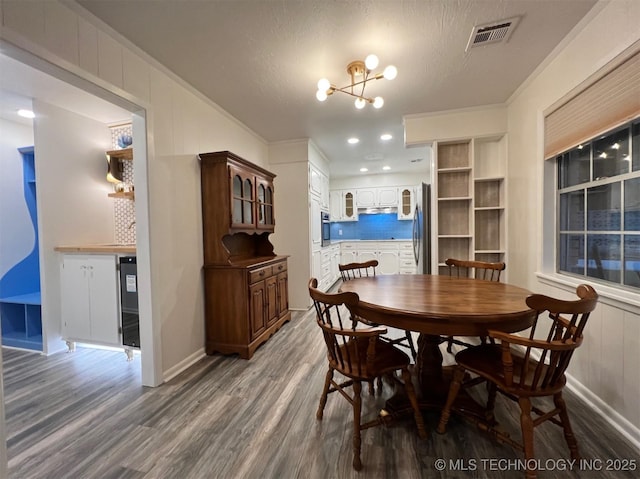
[(283, 293), (271, 285), (264, 205), (242, 198), (257, 307)]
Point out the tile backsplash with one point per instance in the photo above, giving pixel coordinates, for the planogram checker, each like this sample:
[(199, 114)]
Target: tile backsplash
[(380, 226), (124, 210)]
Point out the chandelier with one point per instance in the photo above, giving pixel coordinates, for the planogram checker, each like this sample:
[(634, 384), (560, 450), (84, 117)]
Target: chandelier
[(361, 73)]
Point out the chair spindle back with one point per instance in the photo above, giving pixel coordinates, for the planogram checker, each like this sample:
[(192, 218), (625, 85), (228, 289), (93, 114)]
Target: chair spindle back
[(475, 269), (358, 270)]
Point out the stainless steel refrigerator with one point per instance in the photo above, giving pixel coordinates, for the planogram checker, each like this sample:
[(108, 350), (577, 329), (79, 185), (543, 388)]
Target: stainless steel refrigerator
[(422, 229)]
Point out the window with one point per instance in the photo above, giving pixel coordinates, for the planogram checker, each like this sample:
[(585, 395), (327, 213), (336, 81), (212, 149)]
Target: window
[(599, 208)]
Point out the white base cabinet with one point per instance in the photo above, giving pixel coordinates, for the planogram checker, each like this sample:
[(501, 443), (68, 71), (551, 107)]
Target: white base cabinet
[(89, 285), (394, 257)]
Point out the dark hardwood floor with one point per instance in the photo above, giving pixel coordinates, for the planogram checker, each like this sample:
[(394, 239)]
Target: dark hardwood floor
[(85, 415)]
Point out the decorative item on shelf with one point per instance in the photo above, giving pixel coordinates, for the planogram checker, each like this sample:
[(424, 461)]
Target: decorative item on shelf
[(361, 73), (114, 170), (119, 187), (125, 141)]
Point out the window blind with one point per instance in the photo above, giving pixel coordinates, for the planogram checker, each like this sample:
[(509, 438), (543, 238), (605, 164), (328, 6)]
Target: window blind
[(608, 102)]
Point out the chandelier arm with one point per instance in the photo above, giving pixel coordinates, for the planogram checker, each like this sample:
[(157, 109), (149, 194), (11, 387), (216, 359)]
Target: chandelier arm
[(377, 77), (369, 100)]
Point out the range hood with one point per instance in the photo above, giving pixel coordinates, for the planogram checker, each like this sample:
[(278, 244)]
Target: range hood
[(377, 210)]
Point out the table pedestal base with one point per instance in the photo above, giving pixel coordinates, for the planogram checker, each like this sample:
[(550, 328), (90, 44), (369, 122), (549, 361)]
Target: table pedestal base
[(434, 381)]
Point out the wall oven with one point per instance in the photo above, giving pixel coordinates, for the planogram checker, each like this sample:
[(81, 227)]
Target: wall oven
[(326, 229)]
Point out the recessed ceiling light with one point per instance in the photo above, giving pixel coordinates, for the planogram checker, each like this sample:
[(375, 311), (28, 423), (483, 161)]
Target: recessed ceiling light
[(26, 113), (364, 170), (386, 137), (353, 141), (386, 168)]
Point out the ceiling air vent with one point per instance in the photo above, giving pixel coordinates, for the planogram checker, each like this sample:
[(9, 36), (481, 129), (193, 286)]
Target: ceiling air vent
[(494, 32)]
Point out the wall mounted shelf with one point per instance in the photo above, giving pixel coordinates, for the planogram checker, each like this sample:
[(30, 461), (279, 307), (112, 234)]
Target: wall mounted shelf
[(130, 195)]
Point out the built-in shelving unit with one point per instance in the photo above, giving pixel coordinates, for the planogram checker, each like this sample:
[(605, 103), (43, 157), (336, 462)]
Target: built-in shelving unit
[(470, 196), (119, 155), (20, 303)]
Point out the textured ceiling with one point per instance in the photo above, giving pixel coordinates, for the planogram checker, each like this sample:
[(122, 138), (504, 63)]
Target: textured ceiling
[(261, 60)]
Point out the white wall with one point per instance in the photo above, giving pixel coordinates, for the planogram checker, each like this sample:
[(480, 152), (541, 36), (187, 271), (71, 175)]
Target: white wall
[(289, 161), (180, 124), (16, 232), (73, 207), (604, 370)]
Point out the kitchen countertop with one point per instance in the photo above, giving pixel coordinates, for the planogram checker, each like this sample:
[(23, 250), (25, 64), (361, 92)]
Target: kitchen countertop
[(365, 241), (113, 248)]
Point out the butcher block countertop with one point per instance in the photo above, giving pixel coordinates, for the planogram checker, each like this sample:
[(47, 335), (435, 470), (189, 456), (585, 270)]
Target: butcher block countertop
[(112, 248)]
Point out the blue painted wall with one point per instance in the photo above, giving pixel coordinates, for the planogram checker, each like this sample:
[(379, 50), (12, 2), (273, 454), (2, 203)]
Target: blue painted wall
[(380, 226)]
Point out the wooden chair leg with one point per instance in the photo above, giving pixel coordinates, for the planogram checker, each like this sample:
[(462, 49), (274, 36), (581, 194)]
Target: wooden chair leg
[(414, 355), (492, 390), (372, 388), (456, 382), (450, 344), (558, 400), (325, 393), (357, 406), (526, 423), (411, 394)]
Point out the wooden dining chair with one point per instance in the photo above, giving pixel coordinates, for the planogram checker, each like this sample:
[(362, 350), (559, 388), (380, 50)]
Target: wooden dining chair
[(358, 270), (358, 354), (471, 269), (362, 270), (522, 368)]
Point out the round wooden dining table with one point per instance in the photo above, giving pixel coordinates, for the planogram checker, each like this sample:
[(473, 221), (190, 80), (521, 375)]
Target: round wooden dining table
[(437, 306)]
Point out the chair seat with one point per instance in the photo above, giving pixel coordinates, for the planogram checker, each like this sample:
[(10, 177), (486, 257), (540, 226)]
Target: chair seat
[(486, 361), (388, 358)]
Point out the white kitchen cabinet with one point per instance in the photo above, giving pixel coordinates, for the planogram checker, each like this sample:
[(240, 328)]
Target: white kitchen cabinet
[(387, 196), (335, 261), (324, 192), (89, 287), (319, 186), (388, 262), (316, 265), (348, 252), (315, 181), (394, 257), (342, 205), (335, 205), (367, 254), (316, 222), (366, 197), (406, 202)]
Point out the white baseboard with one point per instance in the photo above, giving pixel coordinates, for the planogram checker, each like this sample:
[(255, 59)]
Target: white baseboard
[(622, 425), (189, 361)]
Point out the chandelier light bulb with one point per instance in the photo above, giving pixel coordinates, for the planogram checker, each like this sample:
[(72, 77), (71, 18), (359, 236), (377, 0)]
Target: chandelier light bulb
[(324, 84), (378, 102), (371, 62), (390, 72), (360, 103), (321, 95)]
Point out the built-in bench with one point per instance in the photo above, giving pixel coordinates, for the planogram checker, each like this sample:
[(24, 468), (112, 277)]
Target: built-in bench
[(22, 321)]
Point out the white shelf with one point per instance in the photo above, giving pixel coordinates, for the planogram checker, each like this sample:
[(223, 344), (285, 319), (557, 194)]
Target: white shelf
[(486, 179), (456, 198), (489, 208), (454, 170)]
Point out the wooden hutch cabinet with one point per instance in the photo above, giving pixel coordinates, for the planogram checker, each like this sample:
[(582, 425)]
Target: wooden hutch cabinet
[(246, 283)]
